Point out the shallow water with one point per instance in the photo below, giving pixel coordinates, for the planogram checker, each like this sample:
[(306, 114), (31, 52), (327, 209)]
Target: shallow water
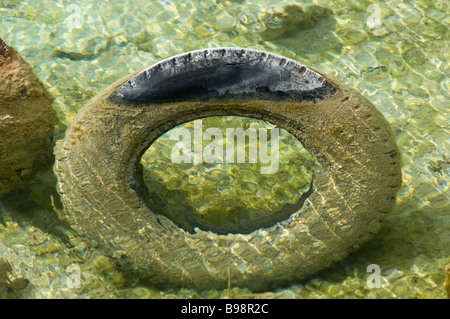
[(395, 53), (221, 187)]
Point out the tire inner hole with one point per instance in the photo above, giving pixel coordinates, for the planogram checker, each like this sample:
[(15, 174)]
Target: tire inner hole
[(227, 174)]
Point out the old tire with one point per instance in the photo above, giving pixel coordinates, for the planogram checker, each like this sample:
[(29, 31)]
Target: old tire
[(100, 176)]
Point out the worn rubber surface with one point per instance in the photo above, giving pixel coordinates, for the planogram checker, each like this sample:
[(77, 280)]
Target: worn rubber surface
[(100, 175)]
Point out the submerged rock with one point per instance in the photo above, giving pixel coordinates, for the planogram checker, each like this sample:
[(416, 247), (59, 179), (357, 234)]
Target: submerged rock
[(26, 121), (5, 269), (7, 286), (292, 18), (447, 280)]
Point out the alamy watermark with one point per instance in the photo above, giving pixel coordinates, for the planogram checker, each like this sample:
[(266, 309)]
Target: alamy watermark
[(374, 20), (374, 280), (73, 21), (218, 151), (74, 276)]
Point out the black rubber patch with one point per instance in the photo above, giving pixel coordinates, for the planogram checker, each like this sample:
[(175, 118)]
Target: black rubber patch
[(226, 74)]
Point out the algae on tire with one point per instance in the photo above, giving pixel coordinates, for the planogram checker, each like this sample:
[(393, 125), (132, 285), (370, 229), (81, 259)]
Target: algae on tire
[(104, 196)]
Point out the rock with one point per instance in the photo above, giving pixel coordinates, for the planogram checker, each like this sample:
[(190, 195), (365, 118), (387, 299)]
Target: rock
[(225, 22), (87, 49), (26, 121), (19, 283), (447, 280), (292, 18), (5, 269)]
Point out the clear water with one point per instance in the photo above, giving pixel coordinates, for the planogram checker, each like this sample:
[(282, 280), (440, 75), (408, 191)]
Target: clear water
[(395, 53), (217, 188)]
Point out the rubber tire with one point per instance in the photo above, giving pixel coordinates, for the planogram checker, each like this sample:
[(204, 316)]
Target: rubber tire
[(101, 187)]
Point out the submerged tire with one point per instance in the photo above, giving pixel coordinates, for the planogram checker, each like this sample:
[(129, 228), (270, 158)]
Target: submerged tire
[(100, 175)]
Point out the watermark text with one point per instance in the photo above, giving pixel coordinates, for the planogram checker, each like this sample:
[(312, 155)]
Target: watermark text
[(222, 149)]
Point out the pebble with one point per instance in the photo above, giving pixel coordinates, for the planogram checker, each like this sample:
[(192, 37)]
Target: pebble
[(225, 22)]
